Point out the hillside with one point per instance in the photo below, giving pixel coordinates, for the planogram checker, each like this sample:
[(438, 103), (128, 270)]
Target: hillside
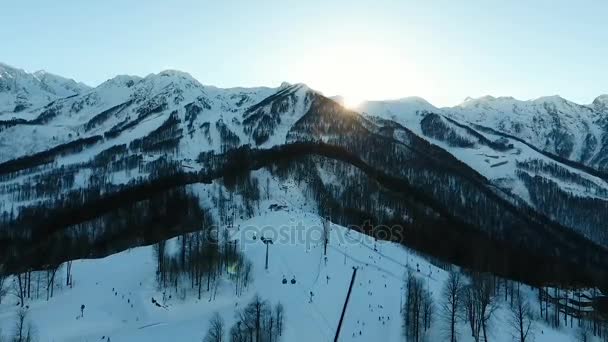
[(117, 291)]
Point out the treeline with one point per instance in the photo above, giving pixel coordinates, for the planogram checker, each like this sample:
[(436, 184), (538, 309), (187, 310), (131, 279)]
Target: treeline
[(165, 138), (155, 105), (53, 182), (574, 164), (140, 215), (586, 215), (229, 140), (105, 115), (257, 322), (559, 172), (244, 185), (471, 300), (193, 109), (434, 126), (48, 156), (261, 119), (198, 262)]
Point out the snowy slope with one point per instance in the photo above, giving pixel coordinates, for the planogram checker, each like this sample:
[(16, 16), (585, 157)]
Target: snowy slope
[(552, 124), (407, 111), (512, 166), (125, 105), (493, 161), (117, 291)]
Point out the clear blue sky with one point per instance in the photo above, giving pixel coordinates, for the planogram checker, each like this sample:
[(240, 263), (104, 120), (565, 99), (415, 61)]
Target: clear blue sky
[(440, 50)]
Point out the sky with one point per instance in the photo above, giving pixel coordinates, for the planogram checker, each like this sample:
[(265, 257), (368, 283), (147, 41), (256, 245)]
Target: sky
[(443, 51)]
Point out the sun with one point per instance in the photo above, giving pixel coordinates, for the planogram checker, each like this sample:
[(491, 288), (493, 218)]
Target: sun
[(360, 70), (352, 102)]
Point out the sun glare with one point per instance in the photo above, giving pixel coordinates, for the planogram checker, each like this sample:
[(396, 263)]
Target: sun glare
[(360, 72), (352, 102)]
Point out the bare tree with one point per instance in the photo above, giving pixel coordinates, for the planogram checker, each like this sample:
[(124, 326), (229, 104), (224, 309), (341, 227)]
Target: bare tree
[(68, 273), (429, 308), (258, 323), (326, 231), (237, 333), (279, 316), (417, 310), (51, 272), (216, 329), (159, 253), (480, 303), (582, 335), (521, 317), (23, 329), (20, 288), (452, 302), (257, 309)]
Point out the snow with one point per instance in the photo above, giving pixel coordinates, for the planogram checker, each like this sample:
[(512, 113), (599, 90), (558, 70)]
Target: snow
[(407, 111), (536, 121), (17, 87), (497, 166), (296, 253)]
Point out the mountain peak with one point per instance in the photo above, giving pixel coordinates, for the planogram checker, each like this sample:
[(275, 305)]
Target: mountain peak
[(551, 98), (120, 80), (174, 73), (177, 77), (414, 99), (601, 103), (40, 73), (601, 99), (472, 101)]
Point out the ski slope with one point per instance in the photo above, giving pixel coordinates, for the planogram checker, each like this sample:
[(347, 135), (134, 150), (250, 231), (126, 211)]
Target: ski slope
[(117, 291)]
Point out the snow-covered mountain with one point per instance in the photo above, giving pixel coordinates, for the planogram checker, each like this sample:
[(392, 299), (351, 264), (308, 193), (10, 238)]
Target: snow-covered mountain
[(519, 144), (89, 172), (551, 124), (513, 144), (20, 90)]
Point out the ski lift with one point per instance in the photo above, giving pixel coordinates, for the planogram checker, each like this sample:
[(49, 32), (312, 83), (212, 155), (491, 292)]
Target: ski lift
[(284, 280), (293, 280)]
